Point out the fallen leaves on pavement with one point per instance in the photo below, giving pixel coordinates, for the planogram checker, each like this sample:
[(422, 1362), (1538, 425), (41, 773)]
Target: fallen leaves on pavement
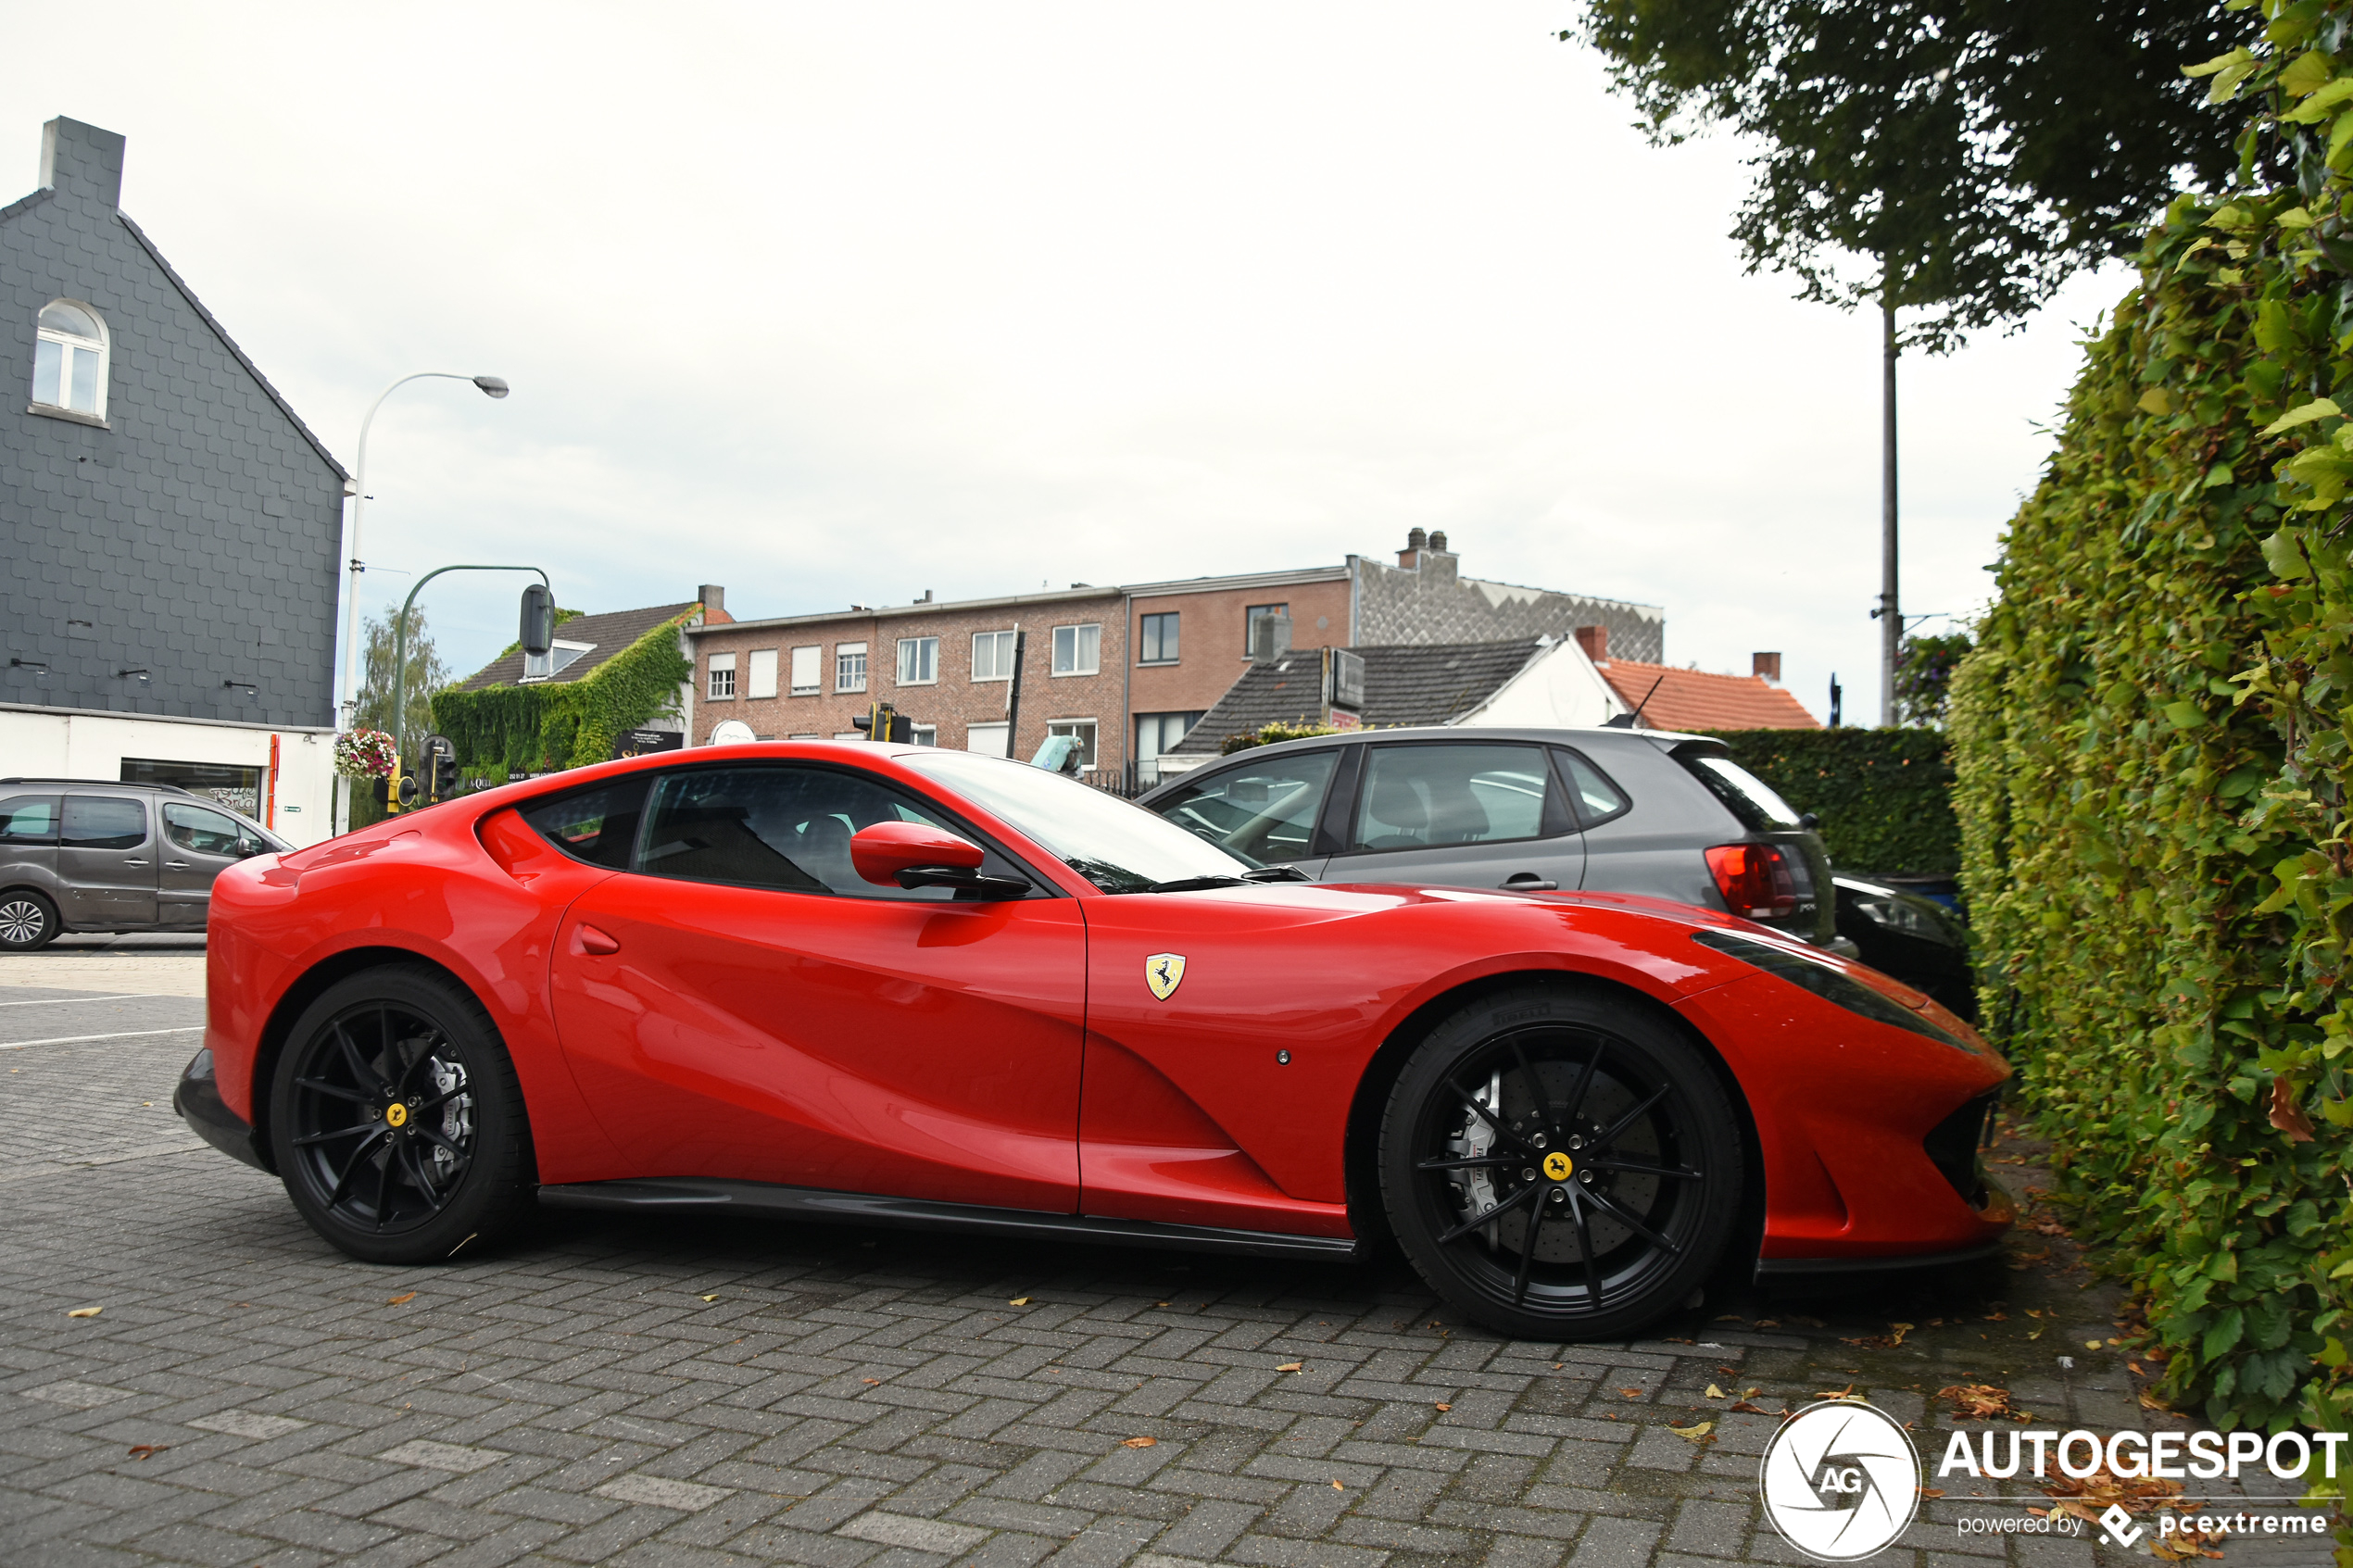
[(86, 1312), (1888, 1341), (2092, 1496), (148, 1450), (1018, 1301), (1698, 1433), (1138, 1442), (1292, 1366), (1982, 1401), (412, 1295)]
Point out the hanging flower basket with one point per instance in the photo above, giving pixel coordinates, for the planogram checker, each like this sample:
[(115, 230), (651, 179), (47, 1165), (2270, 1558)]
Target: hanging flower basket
[(364, 754)]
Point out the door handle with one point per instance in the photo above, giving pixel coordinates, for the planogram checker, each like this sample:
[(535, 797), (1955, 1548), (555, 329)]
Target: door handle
[(1529, 881), (176, 865), (136, 862), (589, 939)]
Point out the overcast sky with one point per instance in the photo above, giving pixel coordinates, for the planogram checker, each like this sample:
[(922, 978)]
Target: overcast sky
[(835, 304)]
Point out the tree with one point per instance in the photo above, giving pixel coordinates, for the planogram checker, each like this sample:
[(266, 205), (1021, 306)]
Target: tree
[(427, 674), (1955, 160), (1924, 678)]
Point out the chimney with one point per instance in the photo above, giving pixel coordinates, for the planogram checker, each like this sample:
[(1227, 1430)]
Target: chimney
[(82, 160), (1269, 638), (1438, 539), (1410, 558), (1594, 640), (1765, 667), (714, 605)]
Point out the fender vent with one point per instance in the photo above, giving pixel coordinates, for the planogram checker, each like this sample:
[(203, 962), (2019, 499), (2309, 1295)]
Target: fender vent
[(1953, 1145)]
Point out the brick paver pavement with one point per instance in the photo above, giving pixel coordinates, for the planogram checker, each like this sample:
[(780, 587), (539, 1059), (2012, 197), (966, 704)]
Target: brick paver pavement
[(693, 1393)]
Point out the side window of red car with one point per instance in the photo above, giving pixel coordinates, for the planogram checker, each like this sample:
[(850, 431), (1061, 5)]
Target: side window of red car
[(783, 827), (597, 825)]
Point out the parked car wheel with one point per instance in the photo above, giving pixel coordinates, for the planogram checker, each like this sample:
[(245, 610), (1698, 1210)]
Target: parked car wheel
[(397, 1120), (1559, 1165), (27, 920)]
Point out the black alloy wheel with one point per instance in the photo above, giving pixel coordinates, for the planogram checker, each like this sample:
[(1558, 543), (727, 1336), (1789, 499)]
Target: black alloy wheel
[(27, 920), (397, 1121), (1561, 1164)]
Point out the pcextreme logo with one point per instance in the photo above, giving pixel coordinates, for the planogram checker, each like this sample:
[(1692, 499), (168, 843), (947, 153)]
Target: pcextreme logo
[(1840, 1480)]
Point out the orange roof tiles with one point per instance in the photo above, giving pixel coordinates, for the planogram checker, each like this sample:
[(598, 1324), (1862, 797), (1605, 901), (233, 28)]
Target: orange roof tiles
[(1693, 700)]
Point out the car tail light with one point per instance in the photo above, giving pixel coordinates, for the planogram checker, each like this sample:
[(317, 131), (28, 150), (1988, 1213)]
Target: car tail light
[(1754, 880)]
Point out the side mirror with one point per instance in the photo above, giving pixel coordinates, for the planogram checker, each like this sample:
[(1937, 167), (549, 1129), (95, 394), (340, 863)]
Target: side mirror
[(246, 847), (917, 855)]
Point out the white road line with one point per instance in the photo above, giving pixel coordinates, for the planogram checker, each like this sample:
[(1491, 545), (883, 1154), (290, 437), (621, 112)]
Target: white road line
[(101, 996), (76, 1039)]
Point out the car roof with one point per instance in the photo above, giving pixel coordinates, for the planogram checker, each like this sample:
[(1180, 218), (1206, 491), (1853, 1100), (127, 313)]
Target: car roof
[(1593, 736), (109, 783)]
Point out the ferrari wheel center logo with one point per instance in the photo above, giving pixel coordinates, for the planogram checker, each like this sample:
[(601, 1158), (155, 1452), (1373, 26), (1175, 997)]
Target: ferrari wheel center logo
[(1557, 1166), (1840, 1480), (396, 1115), (1163, 972)]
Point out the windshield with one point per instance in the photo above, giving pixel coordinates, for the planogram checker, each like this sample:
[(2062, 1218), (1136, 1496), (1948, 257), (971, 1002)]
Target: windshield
[(1118, 846)]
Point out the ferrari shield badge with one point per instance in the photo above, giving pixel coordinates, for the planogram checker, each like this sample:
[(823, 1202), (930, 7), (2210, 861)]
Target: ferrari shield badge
[(1163, 972)]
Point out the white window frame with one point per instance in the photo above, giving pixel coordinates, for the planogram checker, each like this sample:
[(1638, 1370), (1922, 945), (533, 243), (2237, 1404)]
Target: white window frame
[(715, 689), (1081, 646), (67, 344), (561, 655), (926, 653), (1090, 741), (998, 725), (843, 654), (760, 678), (927, 734), (1000, 645), (815, 665)]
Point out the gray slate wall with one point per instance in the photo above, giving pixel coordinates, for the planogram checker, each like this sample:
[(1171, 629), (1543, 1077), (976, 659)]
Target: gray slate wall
[(1404, 607), (197, 534)]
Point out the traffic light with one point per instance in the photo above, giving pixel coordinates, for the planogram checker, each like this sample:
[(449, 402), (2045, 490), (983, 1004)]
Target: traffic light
[(396, 792), (440, 768), (885, 722), (539, 632)]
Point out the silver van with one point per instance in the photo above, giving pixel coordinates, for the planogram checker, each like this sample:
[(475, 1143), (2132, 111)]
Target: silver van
[(88, 855)]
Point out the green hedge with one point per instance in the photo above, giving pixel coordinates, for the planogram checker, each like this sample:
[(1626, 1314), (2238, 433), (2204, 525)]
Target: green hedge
[(502, 730), (1884, 797), (2155, 750)]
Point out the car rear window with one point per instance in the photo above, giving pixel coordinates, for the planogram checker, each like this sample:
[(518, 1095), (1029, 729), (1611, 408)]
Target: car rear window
[(1597, 799), (1744, 794), (29, 819)]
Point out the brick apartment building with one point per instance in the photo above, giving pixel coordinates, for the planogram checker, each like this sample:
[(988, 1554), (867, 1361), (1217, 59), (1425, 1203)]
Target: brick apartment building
[(1126, 671)]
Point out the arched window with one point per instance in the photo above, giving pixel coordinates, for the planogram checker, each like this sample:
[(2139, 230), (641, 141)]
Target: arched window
[(69, 359)]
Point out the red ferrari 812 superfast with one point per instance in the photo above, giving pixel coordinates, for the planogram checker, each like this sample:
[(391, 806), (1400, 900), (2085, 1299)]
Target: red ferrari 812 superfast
[(896, 986)]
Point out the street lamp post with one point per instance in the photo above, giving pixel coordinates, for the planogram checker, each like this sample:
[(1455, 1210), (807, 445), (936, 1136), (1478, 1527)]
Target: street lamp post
[(494, 386)]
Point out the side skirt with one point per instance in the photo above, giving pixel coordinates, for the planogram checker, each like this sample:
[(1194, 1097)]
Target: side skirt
[(696, 1195), (1807, 1268)]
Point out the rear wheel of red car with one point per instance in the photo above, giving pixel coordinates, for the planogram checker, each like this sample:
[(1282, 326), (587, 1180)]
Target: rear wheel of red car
[(397, 1121), (1561, 1165), (27, 920)]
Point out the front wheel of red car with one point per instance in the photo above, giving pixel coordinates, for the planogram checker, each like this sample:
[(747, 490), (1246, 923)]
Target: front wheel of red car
[(397, 1121), (1561, 1165)]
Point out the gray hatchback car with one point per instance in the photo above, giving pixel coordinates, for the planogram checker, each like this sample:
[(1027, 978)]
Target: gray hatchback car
[(1614, 810), (86, 855)]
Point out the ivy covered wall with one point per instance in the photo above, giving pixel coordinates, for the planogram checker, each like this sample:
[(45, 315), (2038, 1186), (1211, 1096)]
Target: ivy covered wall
[(538, 728)]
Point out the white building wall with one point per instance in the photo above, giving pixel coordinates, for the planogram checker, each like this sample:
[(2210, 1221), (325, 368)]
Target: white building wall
[(1557, 689), (37, 743)]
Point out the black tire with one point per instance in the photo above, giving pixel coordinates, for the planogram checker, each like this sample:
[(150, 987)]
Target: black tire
[(397, 1121), (1643, 1187), (27, 920)]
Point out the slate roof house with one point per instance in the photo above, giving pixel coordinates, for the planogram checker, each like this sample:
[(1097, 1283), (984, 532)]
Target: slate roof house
[(585, 643), (172, 528)]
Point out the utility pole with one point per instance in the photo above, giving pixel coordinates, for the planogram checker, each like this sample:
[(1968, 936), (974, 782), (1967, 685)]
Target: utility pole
[(1890, 612)]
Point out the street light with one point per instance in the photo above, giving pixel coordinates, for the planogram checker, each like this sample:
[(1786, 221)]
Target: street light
[(493, 386)]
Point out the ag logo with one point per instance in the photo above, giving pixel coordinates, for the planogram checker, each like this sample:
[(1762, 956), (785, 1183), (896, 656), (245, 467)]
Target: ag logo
[(1840, 1480), (1163, 972), (1558, 1165)]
